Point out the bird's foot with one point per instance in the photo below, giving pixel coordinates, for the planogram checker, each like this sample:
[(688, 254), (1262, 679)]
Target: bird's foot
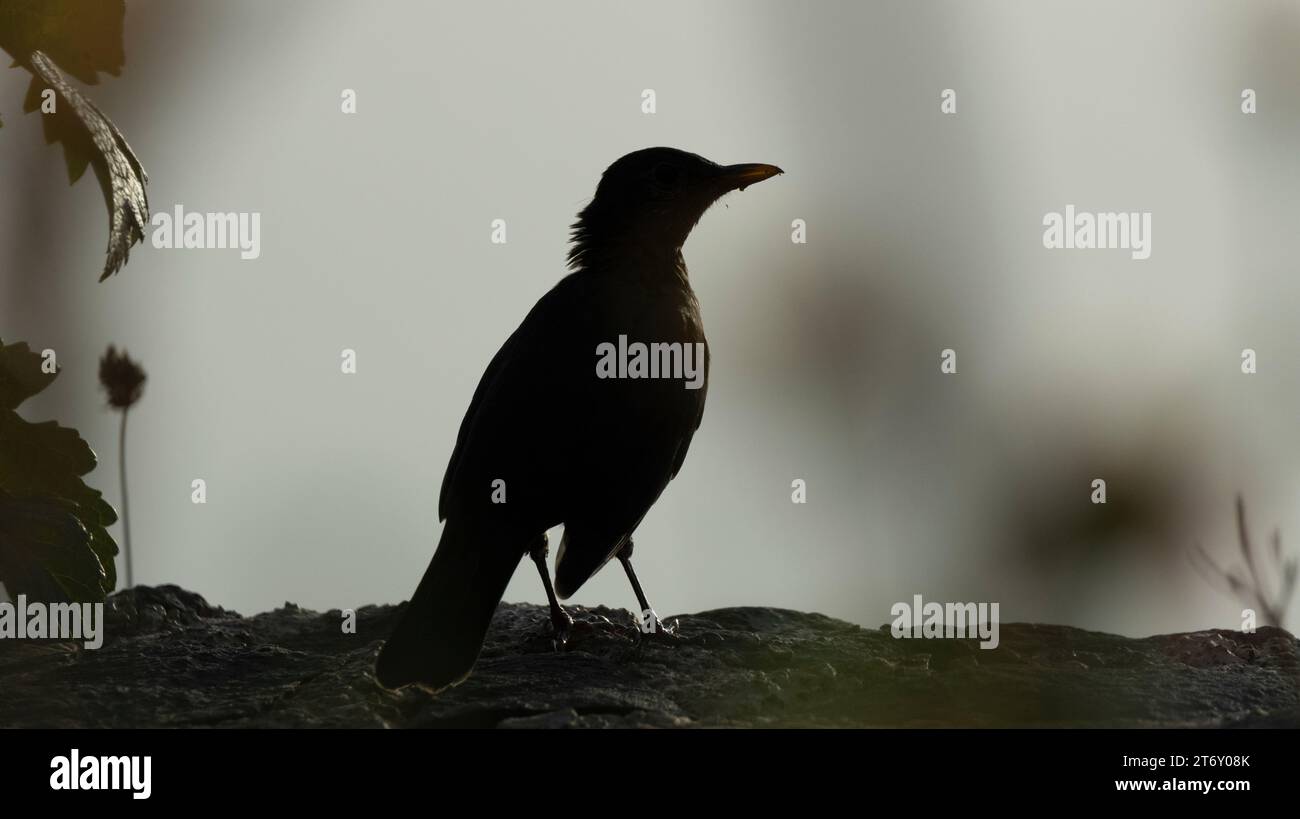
[(561, 629), (652, 628)]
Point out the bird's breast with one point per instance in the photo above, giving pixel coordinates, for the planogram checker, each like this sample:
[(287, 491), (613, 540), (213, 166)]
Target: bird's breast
[(650, 352)]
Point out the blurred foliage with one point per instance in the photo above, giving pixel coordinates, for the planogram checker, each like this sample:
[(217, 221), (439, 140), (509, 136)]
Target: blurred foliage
[(1247, 581), (83, 38), (54, 544)]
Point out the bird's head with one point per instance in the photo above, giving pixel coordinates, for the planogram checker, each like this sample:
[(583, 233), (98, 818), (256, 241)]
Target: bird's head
[(653, 197)]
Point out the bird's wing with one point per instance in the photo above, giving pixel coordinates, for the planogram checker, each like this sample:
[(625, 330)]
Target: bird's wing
[(641, 453), (509, 421), (595, 457), (467, 423)]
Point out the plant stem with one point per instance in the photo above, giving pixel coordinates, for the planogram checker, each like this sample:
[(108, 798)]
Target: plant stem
[(126, 509)]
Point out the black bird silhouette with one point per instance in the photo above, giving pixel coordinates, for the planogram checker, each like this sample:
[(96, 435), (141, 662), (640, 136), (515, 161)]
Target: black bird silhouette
[(569, 446)]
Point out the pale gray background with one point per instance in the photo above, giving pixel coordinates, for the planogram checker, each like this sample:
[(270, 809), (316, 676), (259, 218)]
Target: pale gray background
[(924, 233)]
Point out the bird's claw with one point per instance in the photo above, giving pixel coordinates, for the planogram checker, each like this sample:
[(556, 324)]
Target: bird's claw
[(667, 631), (652, 628), (562, 628)]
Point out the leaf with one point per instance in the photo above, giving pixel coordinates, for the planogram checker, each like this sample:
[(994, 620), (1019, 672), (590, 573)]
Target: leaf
[(53, 527), (83, 36), (45, 550), (21, 375), (63, 126), (89, 136)]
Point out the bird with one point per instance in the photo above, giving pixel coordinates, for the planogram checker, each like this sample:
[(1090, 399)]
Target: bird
[(548, 441)]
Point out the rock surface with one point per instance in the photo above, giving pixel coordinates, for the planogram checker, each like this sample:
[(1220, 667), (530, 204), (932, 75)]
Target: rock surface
[(171, 659)]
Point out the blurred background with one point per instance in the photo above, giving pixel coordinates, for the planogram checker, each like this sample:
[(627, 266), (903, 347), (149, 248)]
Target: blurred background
[(924, 233)]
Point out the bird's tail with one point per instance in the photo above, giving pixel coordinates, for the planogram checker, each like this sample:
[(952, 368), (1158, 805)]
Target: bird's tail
[(438, 637)]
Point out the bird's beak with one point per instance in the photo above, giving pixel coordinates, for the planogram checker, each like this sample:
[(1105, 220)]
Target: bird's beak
[(739, 177)]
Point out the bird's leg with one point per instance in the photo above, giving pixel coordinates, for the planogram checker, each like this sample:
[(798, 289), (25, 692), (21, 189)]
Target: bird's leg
[(649, 622), (560, 619)]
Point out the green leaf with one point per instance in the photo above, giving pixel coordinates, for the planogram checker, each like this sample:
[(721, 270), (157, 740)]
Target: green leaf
[(45, 551), (54, 542), (63, 126), (83, 38), (21, 375)]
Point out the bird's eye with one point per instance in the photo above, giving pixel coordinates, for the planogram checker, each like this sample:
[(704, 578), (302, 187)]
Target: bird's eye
[(667, 175)]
